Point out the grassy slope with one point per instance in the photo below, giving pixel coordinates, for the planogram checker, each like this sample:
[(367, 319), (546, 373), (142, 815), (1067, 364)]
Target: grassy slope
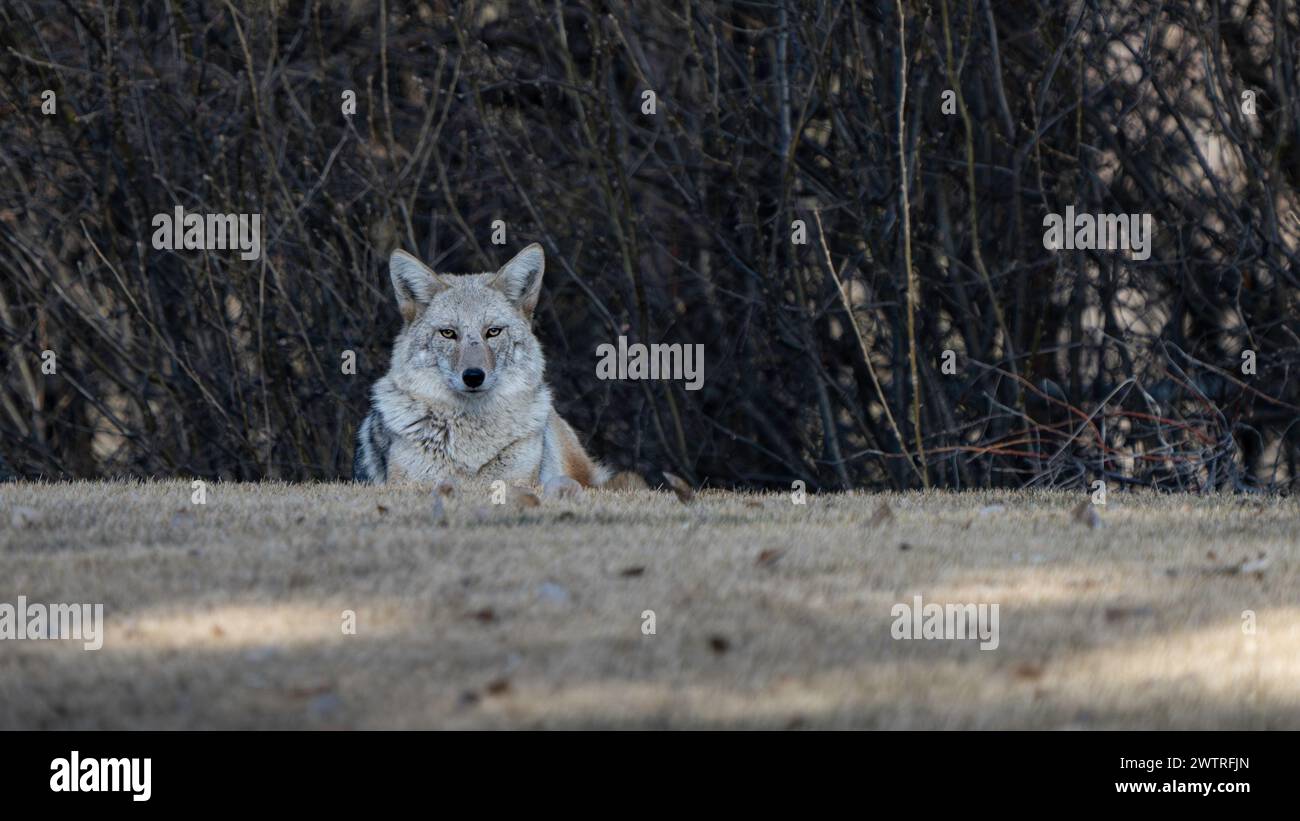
[(229, 614)]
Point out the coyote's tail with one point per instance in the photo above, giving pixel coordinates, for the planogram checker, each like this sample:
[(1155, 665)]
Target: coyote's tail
[(587, 471), (624, 480)]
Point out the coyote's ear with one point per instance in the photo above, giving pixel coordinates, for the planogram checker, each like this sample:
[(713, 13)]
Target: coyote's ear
[(520, 279), (413, 283)]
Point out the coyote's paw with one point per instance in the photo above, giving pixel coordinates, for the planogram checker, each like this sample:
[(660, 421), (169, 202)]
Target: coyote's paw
[(561, 486)]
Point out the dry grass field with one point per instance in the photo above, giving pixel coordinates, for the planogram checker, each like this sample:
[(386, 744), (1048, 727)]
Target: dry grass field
[(767, 614)]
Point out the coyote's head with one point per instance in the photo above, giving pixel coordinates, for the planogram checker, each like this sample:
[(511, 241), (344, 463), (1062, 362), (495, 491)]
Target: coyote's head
[(468, 335)]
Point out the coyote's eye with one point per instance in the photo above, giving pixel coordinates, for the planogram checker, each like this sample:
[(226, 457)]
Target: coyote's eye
[(491, 332), (447, 332)]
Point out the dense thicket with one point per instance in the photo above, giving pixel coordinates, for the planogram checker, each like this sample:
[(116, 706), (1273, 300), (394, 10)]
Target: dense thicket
[(824, 360)]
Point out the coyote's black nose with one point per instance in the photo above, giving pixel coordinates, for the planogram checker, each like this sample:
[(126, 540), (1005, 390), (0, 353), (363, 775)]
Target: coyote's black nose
[(473, 377)]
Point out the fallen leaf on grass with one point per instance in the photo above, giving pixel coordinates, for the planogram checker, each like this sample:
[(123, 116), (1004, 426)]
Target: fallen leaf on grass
[(1028, 672), (498, 686), (1245, 567), (487, 615), (1115, 614), (631, 572), (309, 691), (1256, 566), (769, 557)]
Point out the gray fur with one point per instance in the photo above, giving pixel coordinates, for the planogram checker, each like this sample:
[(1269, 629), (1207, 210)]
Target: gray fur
[(370, 464), (427, 422)]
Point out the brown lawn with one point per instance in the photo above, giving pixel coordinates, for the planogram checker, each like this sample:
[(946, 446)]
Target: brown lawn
[(767, 614)]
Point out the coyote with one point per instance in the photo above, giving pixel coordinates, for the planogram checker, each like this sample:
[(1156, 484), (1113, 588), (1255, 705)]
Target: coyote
[(464, 396)]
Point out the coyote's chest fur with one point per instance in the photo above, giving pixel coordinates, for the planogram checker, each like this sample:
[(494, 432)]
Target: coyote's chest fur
[(465, 397), (501, 440)]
